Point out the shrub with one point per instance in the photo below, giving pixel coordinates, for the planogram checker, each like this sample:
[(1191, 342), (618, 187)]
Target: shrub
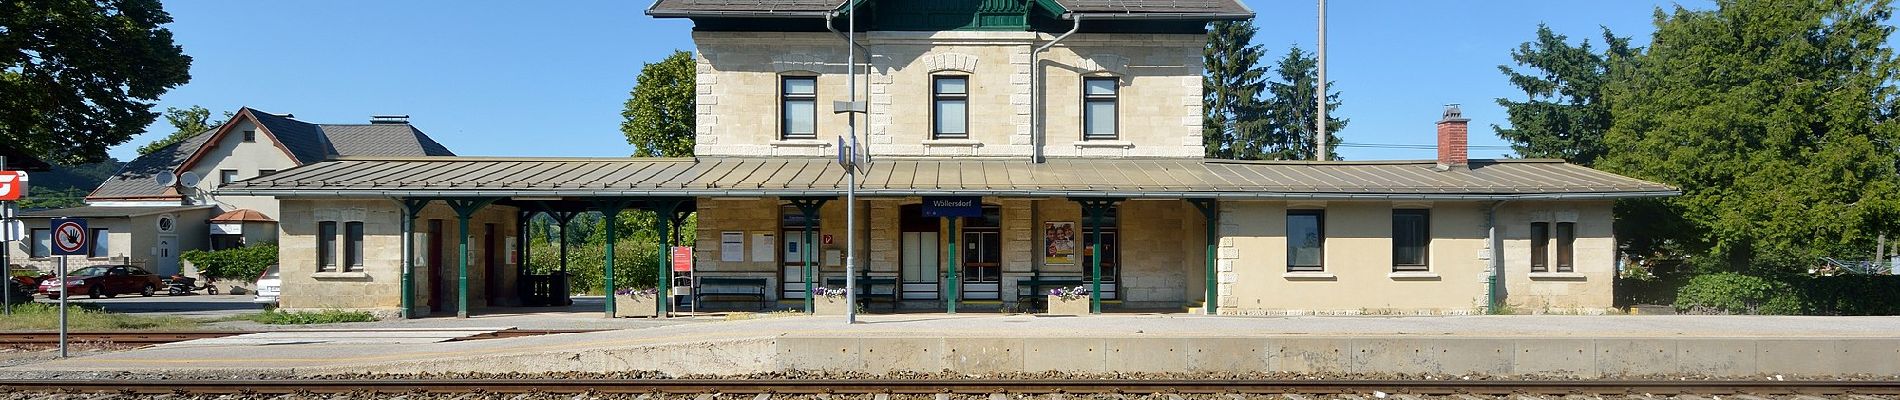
[(1852, 295), (1732, 293), (275, 317), (239, 264), (21, 293), (637, 265)]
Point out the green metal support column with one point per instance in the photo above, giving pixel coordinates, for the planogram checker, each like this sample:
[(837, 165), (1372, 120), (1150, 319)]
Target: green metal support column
[(410, 209), (464, 209), (1094, 208), (956, 279), (808, 207), (1210, 209), (610, 211), (663, 214)]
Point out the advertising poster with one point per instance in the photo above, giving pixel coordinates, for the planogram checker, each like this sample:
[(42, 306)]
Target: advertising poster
[(1058, 241)]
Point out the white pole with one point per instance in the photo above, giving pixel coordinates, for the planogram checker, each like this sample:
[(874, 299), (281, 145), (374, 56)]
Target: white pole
[(850, 171), (64, 293), (1319, 131)]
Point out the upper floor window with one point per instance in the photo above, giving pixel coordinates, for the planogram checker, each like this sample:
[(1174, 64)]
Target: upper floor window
[(798, 109), (950, 110), (1099, 108), (250, 136), (226, 176)]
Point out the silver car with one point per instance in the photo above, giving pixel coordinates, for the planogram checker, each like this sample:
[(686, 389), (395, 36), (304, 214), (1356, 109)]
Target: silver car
[(268, 286)]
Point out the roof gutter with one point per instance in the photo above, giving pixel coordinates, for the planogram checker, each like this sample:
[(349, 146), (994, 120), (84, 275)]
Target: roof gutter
[(739, 13), (1169, 16), (1036, 136)]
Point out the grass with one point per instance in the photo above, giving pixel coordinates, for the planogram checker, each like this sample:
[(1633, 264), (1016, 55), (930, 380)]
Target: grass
[(275, 317), (45, 317)]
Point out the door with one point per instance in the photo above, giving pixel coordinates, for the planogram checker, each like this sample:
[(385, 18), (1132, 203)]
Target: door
[(166, 256), (792, 260), (982, 265), (436, 296), (920, 254), (492, 275), (1111, 262)]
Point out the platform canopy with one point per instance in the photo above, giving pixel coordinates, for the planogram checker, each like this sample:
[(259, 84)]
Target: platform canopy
[(788, 176)]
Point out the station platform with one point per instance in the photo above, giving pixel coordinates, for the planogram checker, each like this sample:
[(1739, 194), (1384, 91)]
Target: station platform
[(1573, 346)]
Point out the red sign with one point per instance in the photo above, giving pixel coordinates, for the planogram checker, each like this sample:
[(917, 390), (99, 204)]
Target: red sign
[(827, 239), (12, 185), (682, 259)]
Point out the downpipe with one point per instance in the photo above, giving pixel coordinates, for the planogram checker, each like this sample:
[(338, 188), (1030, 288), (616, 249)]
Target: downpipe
[(1036, 136), (1496, 243)]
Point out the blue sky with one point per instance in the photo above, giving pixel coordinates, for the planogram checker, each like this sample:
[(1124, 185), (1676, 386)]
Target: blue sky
[(530, 79)]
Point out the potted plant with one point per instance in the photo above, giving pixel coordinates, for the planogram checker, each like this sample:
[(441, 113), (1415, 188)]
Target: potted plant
[(1069, 301), (829, 301), (636, 303)]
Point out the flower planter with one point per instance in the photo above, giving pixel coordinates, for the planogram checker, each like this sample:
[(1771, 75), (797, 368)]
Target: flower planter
[(1071, 305), (830, 305), (636, 305)]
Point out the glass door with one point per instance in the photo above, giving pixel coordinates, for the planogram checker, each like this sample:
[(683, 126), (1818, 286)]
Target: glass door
[(982, 265), (921, 266)]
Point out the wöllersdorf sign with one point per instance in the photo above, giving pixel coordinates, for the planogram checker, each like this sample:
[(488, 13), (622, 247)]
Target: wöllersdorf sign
[(953, 207)]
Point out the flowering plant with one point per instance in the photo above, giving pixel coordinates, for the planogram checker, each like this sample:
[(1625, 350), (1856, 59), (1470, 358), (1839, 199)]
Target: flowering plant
[(629, 292), (1070, 293)]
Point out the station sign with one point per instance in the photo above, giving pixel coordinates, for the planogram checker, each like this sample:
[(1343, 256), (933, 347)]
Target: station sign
[(953, 206), (70, 238), (682, 259), (12, 185)]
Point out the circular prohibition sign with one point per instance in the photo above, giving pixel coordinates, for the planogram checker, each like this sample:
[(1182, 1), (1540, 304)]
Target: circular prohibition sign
[(69, 237)]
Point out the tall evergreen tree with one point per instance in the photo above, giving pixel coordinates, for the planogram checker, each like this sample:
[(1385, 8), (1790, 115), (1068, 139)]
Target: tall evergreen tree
[(1563, 115), (1292, 115), (1233, 114), (1776, 120), (660, 113)]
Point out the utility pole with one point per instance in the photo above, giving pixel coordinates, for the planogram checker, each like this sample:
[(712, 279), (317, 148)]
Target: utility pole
[(1319, 131)]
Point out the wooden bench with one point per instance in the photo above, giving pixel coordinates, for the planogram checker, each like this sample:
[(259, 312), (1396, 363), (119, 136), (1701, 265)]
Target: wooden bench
[(865, 289), (1039, 289), (732, 287)]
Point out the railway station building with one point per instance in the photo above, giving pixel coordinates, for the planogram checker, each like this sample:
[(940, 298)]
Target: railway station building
[(1016, 147)]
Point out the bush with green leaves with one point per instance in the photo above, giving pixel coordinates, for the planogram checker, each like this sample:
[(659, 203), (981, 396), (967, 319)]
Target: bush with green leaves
[(239, 264), (1851, 295), (1733, 293), (277, 317)]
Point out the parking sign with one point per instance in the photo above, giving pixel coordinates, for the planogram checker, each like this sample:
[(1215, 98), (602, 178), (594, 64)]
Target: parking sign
[(69, 237)]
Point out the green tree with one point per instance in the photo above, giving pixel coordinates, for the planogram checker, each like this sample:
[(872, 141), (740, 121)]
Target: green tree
[(659, 116), (1774, 118), (1233, 114), (1292, 115), (187, 123), (80, 76), (1563, 115)]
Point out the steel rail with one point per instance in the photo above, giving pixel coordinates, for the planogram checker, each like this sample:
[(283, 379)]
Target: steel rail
[(149, 338), (958, 386)]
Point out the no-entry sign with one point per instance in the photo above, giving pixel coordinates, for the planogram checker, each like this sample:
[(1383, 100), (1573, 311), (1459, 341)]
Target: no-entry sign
[(69, 237)]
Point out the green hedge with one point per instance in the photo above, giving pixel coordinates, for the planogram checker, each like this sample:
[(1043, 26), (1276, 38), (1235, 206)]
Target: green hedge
[(240, 264), (1733, 293)]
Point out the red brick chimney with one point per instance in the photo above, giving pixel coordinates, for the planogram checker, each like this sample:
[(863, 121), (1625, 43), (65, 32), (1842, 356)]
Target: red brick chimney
[(1452, 138)]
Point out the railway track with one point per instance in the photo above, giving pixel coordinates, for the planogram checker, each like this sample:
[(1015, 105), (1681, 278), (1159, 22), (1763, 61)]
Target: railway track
[(151, 338), (957, 386)]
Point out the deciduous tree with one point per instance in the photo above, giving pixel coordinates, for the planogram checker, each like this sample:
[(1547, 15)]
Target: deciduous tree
[(80, 76), (659, 116), (185, 123), (1776, 120)]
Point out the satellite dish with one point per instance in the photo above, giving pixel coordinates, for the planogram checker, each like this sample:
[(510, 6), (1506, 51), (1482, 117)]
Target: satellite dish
[(189, 179), (166, 179)]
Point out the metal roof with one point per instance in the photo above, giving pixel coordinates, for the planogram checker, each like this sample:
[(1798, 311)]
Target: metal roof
[(1161, 9), (780, 176), (108, 211)]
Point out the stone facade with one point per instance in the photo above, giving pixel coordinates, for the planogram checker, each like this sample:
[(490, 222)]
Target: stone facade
[(1159, 99), (377, 286)]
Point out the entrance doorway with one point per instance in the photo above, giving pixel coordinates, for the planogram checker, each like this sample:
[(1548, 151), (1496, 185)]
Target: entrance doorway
[(491, 267), (1111, 257), (982, 256), (792, 255), (436, 297), (919, 253)]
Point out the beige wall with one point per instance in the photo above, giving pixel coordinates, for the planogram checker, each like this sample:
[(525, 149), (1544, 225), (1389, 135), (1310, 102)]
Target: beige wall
[(131, 240), (738, 98), (233, 153), (377, 287), (1358, 277)]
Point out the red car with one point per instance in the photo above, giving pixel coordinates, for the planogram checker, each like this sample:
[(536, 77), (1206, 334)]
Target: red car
[(104, 280)]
